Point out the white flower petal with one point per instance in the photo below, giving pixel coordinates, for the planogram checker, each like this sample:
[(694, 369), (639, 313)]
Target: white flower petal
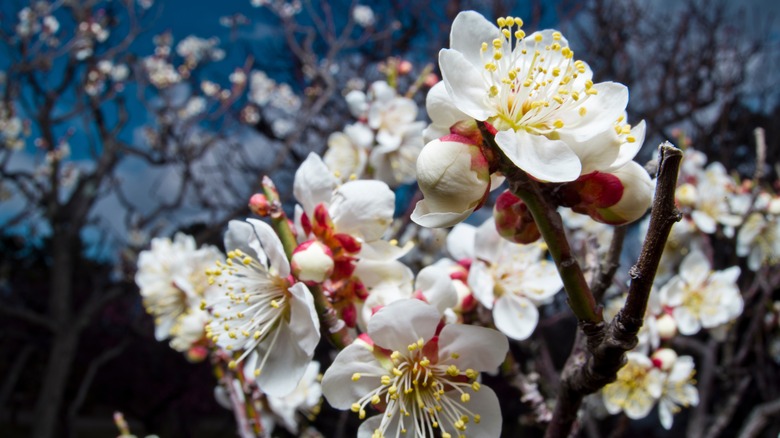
[(363, 208), (479, 348), (464, 84), (337, 384), (515, 316), (694, 269), (544, 159), (460, 241), (469, 30), (314, 183), (419, 322), (268, 243), (424, 216)]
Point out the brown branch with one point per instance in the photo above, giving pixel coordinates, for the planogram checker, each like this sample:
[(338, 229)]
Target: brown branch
[(587, 371), (610, 265), (759, 417)]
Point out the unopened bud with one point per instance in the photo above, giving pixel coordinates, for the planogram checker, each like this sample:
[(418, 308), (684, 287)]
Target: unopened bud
[(197, 354), (404, 67), (454, 176), (514, 221), (312, 262), (616, 198), (664, 358), (259, 205), (667, 326)]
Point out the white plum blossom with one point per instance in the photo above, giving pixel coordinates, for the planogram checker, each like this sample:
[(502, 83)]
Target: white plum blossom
[(678, 388), (759, 239), (511, 280), (701, 298), (261, 312), (348, 151), (422, 376), (173, 284), (553, 122), (638, 386)]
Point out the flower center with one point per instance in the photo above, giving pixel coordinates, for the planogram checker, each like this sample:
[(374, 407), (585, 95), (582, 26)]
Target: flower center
[(529, 82), (253, 305), (426, 394)]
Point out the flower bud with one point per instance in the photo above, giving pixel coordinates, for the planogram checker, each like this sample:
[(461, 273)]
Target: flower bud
[(664, 358), (454, 176), (259, 205), (197, 354), (614, 198), (667, 326), (514, 221), (312, 262)]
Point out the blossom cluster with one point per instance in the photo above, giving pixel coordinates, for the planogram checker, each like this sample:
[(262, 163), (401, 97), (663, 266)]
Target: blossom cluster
[(414, 338)]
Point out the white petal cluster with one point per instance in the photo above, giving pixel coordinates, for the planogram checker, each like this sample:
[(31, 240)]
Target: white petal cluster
[(421, 376), (386, 137), (173, 284), (553, 122), (700, 298), (665, 379), (260, 313), (512, 280)]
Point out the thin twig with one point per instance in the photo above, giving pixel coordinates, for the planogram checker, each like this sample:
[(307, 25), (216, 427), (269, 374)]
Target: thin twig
[(759, 417)]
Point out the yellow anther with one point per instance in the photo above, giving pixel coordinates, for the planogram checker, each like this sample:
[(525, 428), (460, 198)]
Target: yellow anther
[(246, 260), (397, 372), (392, 390), (491, 66), (355, 407), (452, 370), (455, 356), (465, 397), (471, 374), (538, 38), (375, 400), (425, 362), (575, 95), (510, 21), (518, 22), (558, 99), (630, 139), (557, 36), (555, 46), (583, 111), (356, 377), (385, 380), (507, 34), (476, 386), (245, 333), (497, 56), (257, 372), (484, 47), (558, 124), (493, 93), (232, 364), (477, 418), (519, 34), (501, 21), (274, 304), (567, 53)]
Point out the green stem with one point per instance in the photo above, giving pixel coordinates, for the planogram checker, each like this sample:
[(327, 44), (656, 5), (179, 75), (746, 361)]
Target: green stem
[(279, 218), (550, 226)]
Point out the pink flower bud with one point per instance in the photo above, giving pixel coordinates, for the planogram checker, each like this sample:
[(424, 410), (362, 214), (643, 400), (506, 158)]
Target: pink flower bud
[(197, 354), (614, 198), (431, 80), (259, 205), (664, 358), (514, 221), (312, 262), (454, 176), (404, 67)]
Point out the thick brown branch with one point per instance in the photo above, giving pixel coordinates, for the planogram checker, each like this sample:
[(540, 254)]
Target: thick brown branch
[(589, 369)]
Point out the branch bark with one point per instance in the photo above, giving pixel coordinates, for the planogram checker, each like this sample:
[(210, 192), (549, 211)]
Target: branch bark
[(590, 368)]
